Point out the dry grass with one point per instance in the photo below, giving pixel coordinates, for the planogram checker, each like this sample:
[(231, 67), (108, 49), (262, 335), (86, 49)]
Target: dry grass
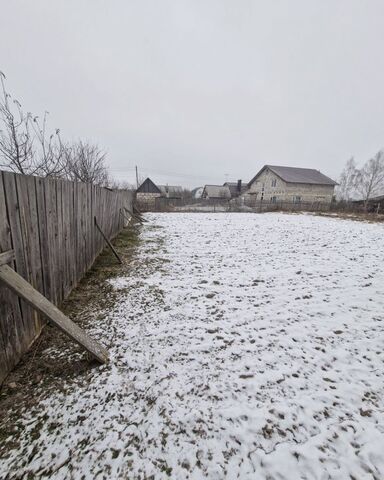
[(360, 216), (37, 366)]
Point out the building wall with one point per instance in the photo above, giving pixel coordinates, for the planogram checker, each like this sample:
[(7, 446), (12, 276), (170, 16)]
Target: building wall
[(268, 185), (146, 200)]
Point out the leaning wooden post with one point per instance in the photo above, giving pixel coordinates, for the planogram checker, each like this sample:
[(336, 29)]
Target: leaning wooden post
[(24, 290), (108, 242), (137, 212)]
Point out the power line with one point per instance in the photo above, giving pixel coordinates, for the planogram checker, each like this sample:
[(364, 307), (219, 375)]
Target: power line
[(163, 172)]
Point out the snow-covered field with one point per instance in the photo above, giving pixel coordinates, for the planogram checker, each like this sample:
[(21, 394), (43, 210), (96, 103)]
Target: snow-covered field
[(243, 346)]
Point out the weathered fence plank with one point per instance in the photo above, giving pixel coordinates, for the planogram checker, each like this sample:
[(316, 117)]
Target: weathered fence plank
[(45, 253), (50, 226), (10, 311), (24, 290), (7, 257)]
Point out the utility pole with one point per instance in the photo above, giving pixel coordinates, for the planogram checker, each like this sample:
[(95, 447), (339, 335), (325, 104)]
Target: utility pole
[(137, 178)]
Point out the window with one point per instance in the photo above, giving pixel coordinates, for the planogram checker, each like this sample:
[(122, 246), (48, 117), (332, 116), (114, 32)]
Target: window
[(273, 199), (274, 182), (296, 199)]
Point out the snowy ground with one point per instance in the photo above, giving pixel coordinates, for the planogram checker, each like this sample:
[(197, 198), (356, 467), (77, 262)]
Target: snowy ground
[(243, 346)]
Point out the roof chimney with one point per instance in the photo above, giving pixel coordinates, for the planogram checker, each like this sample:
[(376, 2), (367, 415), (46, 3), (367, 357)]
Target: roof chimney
[(239, 186)]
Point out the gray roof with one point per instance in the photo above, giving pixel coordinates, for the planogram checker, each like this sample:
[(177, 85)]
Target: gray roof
[(170, 189), (298, 175), (148, 186), (217, 191), (233, 188)]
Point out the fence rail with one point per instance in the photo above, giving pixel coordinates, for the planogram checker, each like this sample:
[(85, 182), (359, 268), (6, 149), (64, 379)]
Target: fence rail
[(50, 226), (162, 204)]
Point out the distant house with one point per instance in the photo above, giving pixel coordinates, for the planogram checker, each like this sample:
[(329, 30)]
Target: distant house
[(171, 191), (236, 188), (148, 192), (216, 192), (290, 184)]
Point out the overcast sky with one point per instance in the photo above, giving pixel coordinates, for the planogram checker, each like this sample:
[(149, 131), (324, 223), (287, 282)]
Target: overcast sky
[(197, 91)]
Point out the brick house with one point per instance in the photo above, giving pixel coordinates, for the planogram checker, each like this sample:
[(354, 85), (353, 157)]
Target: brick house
[(273, 184), (148, 192)]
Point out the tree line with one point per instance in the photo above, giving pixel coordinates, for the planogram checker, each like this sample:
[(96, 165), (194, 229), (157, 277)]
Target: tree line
[(28, 146), (363, 183)]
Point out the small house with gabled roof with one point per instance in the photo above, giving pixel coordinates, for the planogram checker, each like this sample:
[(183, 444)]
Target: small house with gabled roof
[(171, 191), (148, 191), (275, 184), (218, 192), (148, 187)]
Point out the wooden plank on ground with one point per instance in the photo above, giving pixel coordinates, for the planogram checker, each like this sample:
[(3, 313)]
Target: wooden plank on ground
[(22, 288), (108, 242)]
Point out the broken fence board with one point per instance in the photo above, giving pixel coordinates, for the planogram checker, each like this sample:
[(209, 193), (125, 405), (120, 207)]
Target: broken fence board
[(23, 289), (127, 219), (136, 217)]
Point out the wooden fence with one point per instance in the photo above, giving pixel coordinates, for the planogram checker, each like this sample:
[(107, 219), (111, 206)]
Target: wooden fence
[(162, 204), (50, 226)]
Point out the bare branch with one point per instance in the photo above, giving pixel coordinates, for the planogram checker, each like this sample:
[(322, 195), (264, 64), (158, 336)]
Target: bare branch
[(86, 163)]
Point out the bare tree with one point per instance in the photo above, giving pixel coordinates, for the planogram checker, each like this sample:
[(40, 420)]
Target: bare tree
[(186, 193), (86, 163), (51, 158), (120, 184), (347, 182), (370, 178), (25, 145), (28, 147), (16, 141)]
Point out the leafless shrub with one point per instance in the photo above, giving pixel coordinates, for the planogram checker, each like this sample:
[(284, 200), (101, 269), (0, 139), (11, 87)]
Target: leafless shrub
[(51, 158), (120, 185), (85, 162)]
